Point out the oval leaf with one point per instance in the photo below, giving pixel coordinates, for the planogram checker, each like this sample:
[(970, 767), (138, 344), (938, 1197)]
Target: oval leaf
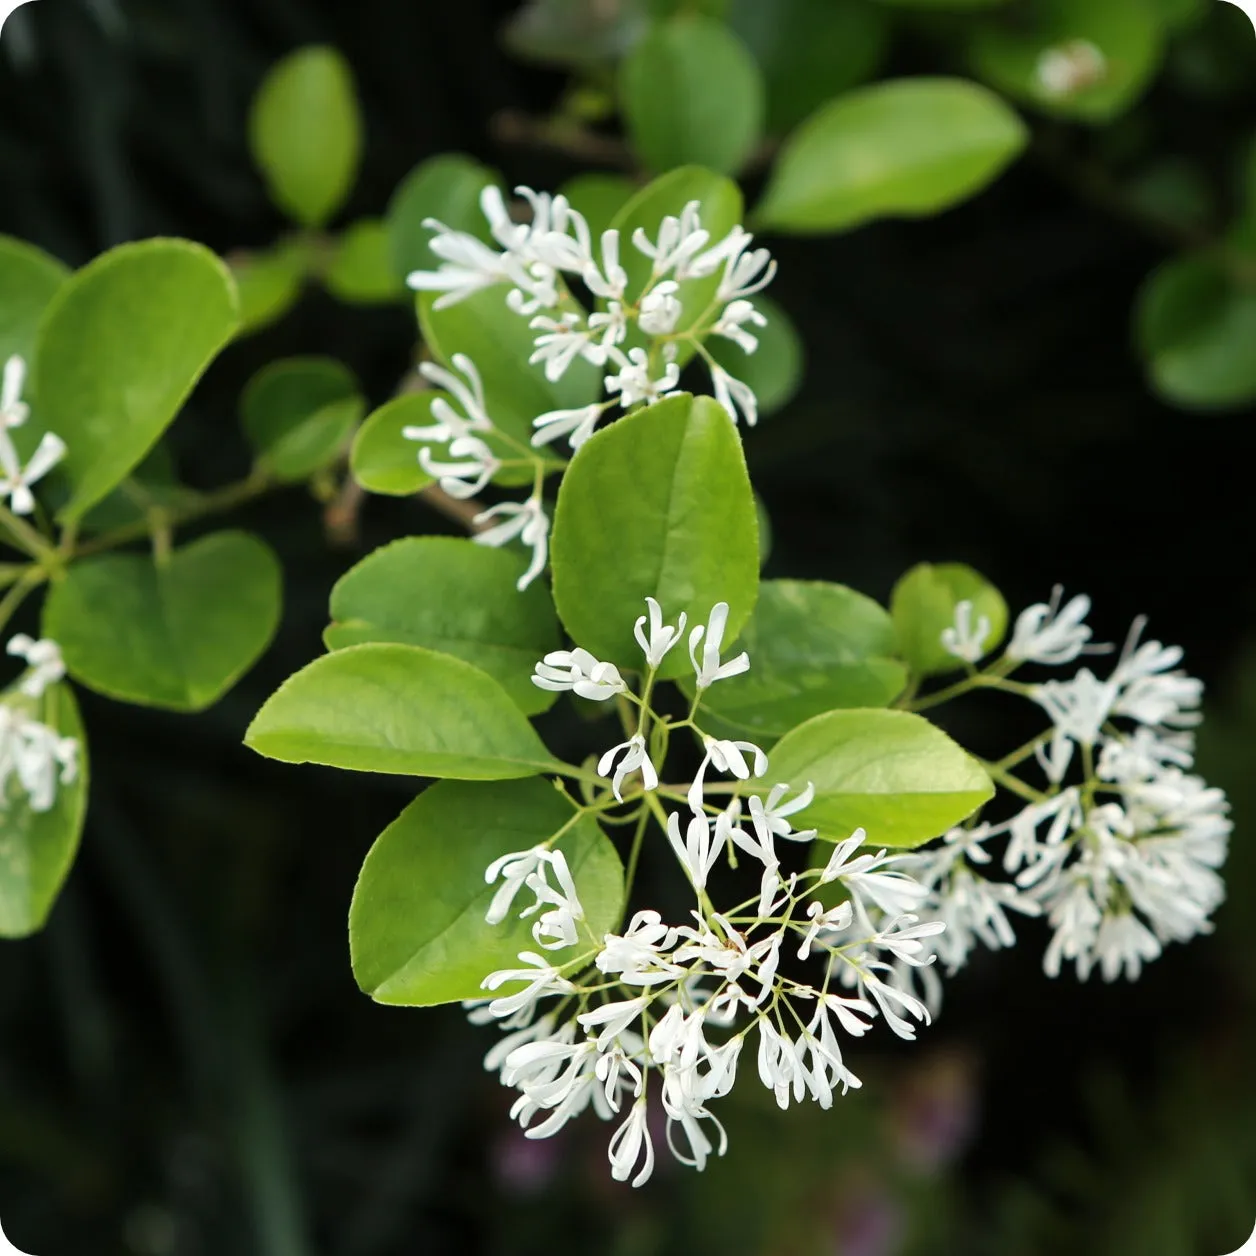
[(456, 597), (658, 504), (176, 635), (29, 279), (305, 131), (269, 284), (402, 710), (37, 848), (360, 271), (692, 93), (417, 933), (120, 348), (382, 459), (889, 772), (905, 148), (923, 607)]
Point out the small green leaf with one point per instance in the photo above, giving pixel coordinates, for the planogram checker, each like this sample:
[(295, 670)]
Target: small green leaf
[(904, 148), (813, 648), (402, 710), (447, 188), (1031, 60), (658, 504), (809, 50), (176, 635), (305, 132), (298, 413), (269, 284), (121, 346), (499, 342), (692, 93), (1196, 324), (361, 272), (923, 607), (889, 772), (382, 459), (37, 848), (456, 597), (775, 368), (599, 197), (417, 933), (29, 279)]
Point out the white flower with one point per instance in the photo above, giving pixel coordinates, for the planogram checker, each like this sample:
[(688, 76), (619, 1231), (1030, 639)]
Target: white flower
[(577, 425), (630, 1142), (1151, 692), (822, 921), (773, 815), (1124, 942), (730, 757), (609, 280), (16, 481), (696, 851), (1046, 634), (1070, 67), (1078, 707), (730, 325), (44, 660), (744, 273), (660, 309), (13, 410), (633, 381), (679, 240), (556, 928), (38, 756), (468, 393), (632, 758), (562, 341), (964, 639), (642, 955), (1142, 755), (904, 938), (464, 478), (661, 638), (541, 978), (578, 670), (709, 669), (525, 520), (734, 395), (514, 869)]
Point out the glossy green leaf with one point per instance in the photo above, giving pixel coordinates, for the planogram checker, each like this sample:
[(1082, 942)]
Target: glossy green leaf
[(904, 148), (599, 197), (176, 635), (121, 346), (305, 132), (382, 459), (658, 504), (813, 647), (298, 413), (692, 94), (810, 50), (29, 279), (1072, 58), (446, 187), (499, 342), (923, 607), (417, 933), (269, 284), (1196, 325), (456, 597), (774, 370), (889, 772), (37, 848), (398, 709), (361, 270)]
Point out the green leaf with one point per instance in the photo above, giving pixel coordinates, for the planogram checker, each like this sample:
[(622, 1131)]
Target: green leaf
[(382, 459), (499, 342), (176, 635), (402, 710), (298, 413), (305, 132), (1196, 324), (155, 482), (905, 148), (1128, 35), (658, 504), (572, 32), (417, 933), (29, 279), (37, 848), (599, 197), (775, 369), (692, 93), (447, 188), (269, 284), (809, 50), (361, 271), (813, 647), (947, 5), (121, 346), (889, 772), (923, 607), (456, 597)]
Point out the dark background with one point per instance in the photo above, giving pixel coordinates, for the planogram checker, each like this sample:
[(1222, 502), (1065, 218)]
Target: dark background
[(186, 1065)]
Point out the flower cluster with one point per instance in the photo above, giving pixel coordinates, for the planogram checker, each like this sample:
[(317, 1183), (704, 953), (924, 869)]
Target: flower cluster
[(670, 1007), (538, 262), (1120, 848), (16, 479), (33, 755)]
